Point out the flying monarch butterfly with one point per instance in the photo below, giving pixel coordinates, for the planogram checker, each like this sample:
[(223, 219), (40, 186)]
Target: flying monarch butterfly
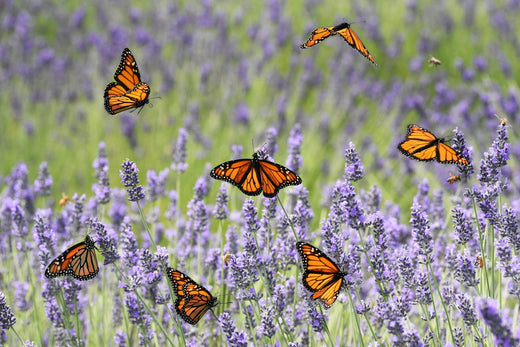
[(128, 91), (345, 31), (253, 176), (321, 275), (193, 300), (422, 145), (79, 262)]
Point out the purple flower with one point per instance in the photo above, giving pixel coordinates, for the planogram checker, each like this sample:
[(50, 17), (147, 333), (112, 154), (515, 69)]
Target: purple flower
[(509, 226), (179, 153), (241, 114), (465, 272), (459, 144), (271, 147), (221, 211), (268, 317), (7, 318), (464, 231), (495, 158), (107, 241), (421, 231), (120, 338), (102, 187), (234, 338), (294, 143), (500, 327), (465, 306), (131, 181), (354, 170), (42, 186), (156, 184)]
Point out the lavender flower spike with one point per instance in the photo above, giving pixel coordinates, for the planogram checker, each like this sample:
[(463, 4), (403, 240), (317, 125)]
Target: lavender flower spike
[(131, 181), (106, 239), (7, 318), (354, 170), (500, 328)]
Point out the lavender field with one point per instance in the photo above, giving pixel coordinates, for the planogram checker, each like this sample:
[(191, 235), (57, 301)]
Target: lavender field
[(426, 262)]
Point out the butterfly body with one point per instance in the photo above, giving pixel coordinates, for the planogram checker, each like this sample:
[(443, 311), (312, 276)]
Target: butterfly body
[(321, 275), (254, 176), (344, 31), (423, 145), (79, 261), (128, 91), (193, 300)]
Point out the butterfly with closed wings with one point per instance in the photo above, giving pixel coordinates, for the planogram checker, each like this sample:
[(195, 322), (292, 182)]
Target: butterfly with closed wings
[(321, 275), (79, 262), (128, 91), (193, 300), (254, 176), (344, 31)]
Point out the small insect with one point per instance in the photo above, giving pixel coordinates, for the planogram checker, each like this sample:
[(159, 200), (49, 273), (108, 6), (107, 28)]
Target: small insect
[(79, 262), (227, 259), (321, 275), (422, 145), (453, 178), (434, 61), (254, 176), (128, 91), (344, 31), (64, 199), (503, 121), (193, 300), (479, 261)]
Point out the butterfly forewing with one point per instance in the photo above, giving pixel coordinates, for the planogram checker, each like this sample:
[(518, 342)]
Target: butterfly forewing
[(127, 72), (317, 36)]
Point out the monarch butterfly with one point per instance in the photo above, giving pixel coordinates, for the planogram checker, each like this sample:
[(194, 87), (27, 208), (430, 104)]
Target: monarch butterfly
[(321, 275), (345, 31), (193, 300), (253, 176), (453, 178), (434, 61), (79, 262), (128, 91), (422, 145)]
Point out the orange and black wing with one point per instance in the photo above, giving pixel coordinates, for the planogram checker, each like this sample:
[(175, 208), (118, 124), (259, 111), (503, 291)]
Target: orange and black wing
[(240, 173), (253, 176), (317, 36), (127, 73), (117, 100), (79, 262), (422, 145), (193, 300), (353, 40), (274, 177), (321, 275)]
